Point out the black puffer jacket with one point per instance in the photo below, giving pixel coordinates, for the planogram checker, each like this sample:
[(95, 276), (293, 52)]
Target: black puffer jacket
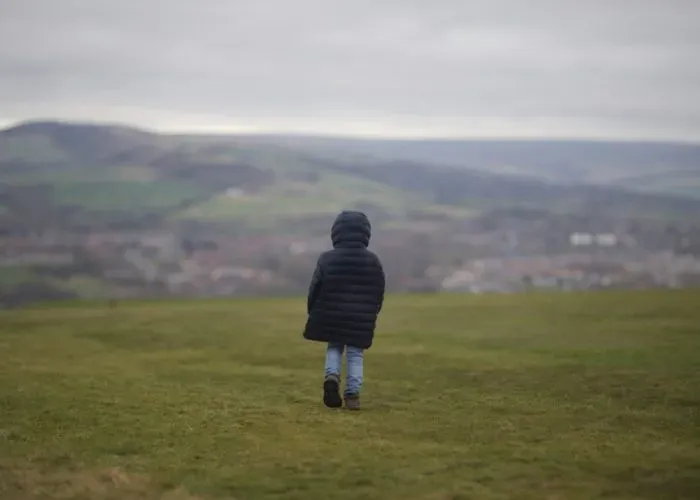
[(347, 288)]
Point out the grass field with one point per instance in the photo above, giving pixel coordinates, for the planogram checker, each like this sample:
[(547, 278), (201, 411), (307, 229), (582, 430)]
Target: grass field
[(66, 176), (575, 396), (331, 194), (32, 148), (127, 196), (683, 184)]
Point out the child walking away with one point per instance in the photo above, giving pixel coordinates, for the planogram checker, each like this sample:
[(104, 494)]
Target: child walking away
[(345, 298)]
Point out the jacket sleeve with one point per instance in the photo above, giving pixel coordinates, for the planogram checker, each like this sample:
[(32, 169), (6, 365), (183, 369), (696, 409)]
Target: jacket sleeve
[(381, 281), (315, 286)]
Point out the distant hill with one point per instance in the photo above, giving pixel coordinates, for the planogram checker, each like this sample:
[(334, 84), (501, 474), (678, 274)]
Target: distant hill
[(53, 142), (81, 176), (648, 166)]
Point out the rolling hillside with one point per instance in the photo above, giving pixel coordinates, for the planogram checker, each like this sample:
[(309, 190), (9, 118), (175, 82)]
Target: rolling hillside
[(81, 176), (653, 167), (111, 211)]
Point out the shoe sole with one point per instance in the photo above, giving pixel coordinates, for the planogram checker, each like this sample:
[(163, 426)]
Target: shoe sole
[(331, 394)]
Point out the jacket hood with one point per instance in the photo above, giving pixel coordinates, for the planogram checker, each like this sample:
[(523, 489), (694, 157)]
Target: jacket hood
[(351, 229)]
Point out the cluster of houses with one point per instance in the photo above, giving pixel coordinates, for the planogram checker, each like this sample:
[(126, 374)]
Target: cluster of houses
[(162, 262), (577, 271)]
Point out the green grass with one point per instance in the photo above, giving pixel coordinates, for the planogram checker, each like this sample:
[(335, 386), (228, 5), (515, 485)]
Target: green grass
[(331, 194), (31, 149), (84, 286), (530, 397), (127, 188), (126, 196), (80, 175), (13, 276), (88, 287), (684, 184)]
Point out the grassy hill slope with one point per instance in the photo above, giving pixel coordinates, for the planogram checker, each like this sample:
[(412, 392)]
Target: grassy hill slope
[(79, 175), (681, 182), (528, 397), (593, 162)]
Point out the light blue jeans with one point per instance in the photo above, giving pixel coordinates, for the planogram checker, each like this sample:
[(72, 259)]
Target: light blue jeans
[(355, 365)]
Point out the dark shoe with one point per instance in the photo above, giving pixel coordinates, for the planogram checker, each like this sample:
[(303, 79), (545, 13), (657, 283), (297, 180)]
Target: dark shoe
[(352, 402), (331, 392)]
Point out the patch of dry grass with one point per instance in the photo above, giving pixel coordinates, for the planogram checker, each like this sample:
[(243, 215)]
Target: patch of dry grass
[(104, 484)]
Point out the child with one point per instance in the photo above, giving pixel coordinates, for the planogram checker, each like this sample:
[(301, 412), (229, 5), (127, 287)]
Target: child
[(345, 297)]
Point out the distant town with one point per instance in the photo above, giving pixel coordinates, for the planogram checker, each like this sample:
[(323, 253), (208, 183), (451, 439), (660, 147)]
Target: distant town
[(494, 253)]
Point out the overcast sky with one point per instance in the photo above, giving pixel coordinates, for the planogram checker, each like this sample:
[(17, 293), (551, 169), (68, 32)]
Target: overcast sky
[(594, 68)]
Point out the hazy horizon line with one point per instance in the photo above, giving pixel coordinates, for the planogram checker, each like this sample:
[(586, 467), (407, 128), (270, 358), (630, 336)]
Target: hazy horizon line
[(281, 133)]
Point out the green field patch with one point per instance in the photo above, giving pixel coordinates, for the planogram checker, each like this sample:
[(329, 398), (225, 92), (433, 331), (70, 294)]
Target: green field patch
[(331, 194), (30, 149), (85, 286), (127, 196), (88, 287), (11, 277), (534, 396), (79, 175), (682, 183)]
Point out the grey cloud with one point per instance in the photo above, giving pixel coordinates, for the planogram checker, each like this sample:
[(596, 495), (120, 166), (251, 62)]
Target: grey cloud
[(606, 68)]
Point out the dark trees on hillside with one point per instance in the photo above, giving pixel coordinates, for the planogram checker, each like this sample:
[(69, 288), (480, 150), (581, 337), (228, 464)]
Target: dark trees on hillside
[(26, 293), (215, 175)]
